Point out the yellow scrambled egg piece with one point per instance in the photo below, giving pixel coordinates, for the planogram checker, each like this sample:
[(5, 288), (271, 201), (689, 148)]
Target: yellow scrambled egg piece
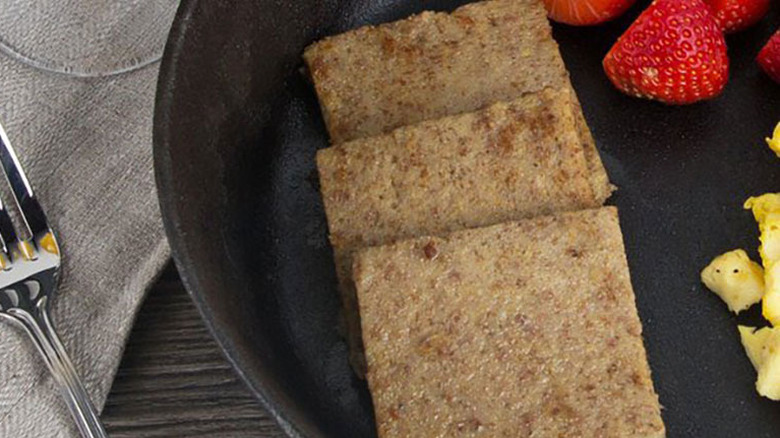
[(763, 348), (774, 142), (765, 207), (739, 291), (736, 279), (766, 210), (770, 307)]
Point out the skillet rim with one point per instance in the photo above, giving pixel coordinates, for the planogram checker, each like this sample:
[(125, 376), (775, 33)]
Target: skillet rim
[(163, 173)]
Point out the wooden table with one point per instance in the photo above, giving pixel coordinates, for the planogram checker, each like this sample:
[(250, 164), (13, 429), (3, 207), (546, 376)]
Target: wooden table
[(173, 380)]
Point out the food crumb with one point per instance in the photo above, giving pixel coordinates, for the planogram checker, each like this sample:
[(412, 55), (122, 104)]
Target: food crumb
[(430, 250)]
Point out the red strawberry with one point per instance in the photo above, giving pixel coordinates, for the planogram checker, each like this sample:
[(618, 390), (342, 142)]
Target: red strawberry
[(586, 12), (674, 52), (769, 57), (736, 15)]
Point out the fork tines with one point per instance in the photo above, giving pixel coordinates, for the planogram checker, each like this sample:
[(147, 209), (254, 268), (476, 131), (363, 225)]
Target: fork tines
[(34, 220)]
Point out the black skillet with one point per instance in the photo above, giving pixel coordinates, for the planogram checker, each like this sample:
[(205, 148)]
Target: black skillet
[(236, 129)]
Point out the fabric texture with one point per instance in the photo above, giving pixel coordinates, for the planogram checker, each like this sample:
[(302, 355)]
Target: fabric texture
[(85, 141), (85, 37)]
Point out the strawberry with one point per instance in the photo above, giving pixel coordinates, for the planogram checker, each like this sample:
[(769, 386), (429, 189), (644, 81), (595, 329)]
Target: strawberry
[(674, 52), (586, 12), (736, 15), (769, 57)]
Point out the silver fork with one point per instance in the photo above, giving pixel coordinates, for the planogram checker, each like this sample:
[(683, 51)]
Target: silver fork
[(29, 271)]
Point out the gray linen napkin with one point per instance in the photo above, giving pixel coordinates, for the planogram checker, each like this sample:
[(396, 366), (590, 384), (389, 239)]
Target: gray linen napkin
[(77, 83)]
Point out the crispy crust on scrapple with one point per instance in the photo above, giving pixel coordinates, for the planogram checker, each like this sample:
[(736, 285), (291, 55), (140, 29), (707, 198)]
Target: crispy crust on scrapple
[(377, 78), (520, 329), (507, 162)]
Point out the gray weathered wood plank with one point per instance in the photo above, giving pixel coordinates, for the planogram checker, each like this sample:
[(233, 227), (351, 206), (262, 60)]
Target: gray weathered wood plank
[(174, 382)]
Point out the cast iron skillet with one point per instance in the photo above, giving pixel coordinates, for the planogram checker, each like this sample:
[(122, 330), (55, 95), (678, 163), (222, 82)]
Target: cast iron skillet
[(236, 129)]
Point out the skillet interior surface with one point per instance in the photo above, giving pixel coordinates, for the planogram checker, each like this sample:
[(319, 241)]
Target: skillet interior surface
[(236, 129)]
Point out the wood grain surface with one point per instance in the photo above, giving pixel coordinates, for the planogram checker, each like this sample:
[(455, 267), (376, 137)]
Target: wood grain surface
[(174, 382)]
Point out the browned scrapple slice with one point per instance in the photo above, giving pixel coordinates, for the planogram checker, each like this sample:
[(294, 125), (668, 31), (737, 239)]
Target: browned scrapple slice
[(377, 78), (524, 329), (506, 162)]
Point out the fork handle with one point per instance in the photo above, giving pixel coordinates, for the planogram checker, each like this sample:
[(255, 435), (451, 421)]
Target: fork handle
[(41, 330)]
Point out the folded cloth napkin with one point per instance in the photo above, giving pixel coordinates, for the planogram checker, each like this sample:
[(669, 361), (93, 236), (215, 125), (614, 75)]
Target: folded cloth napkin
[(77, 84)]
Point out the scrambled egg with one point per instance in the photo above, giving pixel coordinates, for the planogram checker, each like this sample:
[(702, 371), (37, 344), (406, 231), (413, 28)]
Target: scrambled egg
[(741, 282), (736, 279), (774, 142), (766, 210), (763, 348), (765, 207)]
